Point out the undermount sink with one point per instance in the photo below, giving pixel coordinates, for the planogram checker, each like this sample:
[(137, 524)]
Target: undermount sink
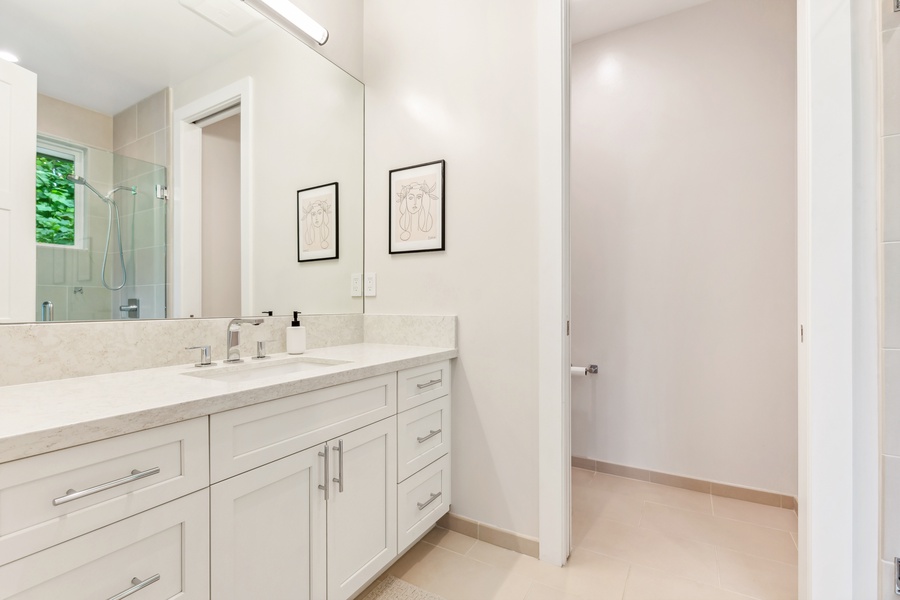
[(253, 370)]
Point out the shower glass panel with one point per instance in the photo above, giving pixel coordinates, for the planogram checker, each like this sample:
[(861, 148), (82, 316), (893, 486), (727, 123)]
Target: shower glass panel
[(76, 280)]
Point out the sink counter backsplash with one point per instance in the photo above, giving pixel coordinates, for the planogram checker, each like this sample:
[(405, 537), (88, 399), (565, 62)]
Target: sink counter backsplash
[(34, 352)]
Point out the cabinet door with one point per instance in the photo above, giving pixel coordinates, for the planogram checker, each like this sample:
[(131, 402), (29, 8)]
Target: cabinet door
[(268, 531), (362, 518)]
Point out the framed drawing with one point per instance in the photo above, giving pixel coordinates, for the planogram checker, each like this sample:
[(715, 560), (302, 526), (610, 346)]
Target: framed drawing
[(317, 223), (417, 208)]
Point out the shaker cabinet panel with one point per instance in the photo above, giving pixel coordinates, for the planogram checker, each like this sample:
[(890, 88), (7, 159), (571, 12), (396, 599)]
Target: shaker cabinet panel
[(420, 384), (362, 507), (53, 497), (423, 436), (160, 554), (248, 437), (268, 531), (422, 500)]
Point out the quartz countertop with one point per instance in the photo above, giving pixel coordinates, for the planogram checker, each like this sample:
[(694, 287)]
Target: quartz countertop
[(42, 417)]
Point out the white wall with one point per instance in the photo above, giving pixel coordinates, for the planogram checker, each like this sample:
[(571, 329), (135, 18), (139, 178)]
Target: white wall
[(457, 81), (684, 244), (306, 123)]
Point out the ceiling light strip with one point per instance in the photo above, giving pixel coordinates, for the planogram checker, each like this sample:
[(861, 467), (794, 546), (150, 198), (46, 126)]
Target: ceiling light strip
[(286, 14)]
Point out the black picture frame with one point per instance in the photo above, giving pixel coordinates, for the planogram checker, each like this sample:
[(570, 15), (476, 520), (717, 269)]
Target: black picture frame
[(415, 224), (315, 242)]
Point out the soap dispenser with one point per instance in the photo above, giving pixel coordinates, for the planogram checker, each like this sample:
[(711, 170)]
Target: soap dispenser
[(296, 336)]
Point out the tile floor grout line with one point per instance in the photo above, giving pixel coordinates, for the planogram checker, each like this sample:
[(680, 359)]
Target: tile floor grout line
[(729, 519), (627, 577)]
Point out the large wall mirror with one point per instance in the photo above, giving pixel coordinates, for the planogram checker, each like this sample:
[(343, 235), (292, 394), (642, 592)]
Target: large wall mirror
[(173, 138)]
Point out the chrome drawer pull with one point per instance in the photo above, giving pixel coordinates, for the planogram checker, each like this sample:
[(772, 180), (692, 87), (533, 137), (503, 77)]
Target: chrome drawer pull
[(422, 505), (327, 485), (340, 478), (135, 475), (433, 433), (138, 586), (422, 386)]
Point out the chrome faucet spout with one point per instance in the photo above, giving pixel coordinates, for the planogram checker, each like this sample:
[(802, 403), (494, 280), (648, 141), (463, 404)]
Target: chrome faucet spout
[(233, 338)]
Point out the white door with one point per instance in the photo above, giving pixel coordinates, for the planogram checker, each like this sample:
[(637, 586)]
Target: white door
[(268, 531), (18, 139), (362, 517)]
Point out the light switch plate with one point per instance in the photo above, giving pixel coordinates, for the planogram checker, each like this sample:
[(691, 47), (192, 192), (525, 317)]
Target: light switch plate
[(356, 285), (370, 284)]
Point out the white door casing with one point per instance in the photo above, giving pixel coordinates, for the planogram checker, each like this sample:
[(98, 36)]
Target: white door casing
[(18, 139)]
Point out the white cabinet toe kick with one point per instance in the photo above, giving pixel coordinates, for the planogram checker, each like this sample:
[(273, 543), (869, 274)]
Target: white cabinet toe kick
[(310, 496)]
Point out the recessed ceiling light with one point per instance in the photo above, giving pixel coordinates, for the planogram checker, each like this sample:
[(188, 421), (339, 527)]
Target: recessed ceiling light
[(8, 56)]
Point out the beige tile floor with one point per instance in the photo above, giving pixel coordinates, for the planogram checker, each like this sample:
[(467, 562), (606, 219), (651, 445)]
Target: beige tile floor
[(633, 541)]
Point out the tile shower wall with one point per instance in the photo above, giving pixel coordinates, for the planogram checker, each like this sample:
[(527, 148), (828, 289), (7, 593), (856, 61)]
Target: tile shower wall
[(141, 140), (890, 337), (70, 278)]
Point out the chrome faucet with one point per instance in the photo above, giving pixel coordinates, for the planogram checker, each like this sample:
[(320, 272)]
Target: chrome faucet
[(233, 338)]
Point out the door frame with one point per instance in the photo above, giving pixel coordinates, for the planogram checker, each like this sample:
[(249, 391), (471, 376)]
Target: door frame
[(188, 194), (554, 379), (837, 297)]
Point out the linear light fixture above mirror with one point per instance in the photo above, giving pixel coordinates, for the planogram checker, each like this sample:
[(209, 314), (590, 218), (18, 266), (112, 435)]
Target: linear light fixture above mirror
[(286, 14)]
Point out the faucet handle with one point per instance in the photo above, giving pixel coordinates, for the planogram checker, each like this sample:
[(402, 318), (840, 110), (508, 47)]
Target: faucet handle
[(205, 359), (261, 349)]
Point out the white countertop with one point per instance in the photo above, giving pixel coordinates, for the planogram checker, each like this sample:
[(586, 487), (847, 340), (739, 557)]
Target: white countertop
[(41, 417)]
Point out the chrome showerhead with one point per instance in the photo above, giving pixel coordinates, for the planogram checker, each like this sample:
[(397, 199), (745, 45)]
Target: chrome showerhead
[(75, 179)]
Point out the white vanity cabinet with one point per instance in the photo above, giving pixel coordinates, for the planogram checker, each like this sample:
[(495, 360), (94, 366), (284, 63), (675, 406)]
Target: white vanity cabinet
[(125, 514), (423, 487), (268, 531), (307, 496), (276, 533)]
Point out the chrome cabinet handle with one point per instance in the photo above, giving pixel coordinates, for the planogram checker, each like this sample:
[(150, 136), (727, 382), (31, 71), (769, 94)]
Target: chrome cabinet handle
[(326, 486), (340, 478), (138, 585), (429, 436), (422, 386), (422, 505), (135, 475)]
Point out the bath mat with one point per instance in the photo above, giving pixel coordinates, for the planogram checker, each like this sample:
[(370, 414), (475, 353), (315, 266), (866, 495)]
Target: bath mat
[(397, 589)]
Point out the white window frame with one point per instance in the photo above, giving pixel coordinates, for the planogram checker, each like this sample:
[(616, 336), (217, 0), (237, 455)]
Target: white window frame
[(68, 151)]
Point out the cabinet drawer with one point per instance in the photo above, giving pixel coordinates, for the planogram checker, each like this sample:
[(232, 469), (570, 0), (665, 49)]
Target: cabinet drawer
[(423, 436), (115, 478), (246, 438), (421, 384), (171, 541), (422, 500)]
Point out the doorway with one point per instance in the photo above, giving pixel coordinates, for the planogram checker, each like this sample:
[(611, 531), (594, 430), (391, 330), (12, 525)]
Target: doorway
[(220, 229), (684, 272)]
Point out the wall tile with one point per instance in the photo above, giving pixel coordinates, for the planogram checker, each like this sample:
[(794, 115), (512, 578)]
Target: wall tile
[(890, 422), (891, 322), (892, 189), (151, 114), (891, 66), (889, 18), (891, 497), (887, 581), (125, 127)]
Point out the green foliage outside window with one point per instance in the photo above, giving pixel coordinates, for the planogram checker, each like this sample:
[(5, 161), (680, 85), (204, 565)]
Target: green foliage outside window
[(55, 201)]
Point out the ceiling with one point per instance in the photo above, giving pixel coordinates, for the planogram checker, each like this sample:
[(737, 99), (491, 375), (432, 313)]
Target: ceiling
[(591, 18), (106, 55)]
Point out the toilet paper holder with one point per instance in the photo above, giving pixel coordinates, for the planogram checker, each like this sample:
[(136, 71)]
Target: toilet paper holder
[(589, 370)]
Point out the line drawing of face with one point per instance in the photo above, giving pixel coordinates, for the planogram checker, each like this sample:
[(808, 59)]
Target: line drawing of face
[(316, 217), (415, 200)]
